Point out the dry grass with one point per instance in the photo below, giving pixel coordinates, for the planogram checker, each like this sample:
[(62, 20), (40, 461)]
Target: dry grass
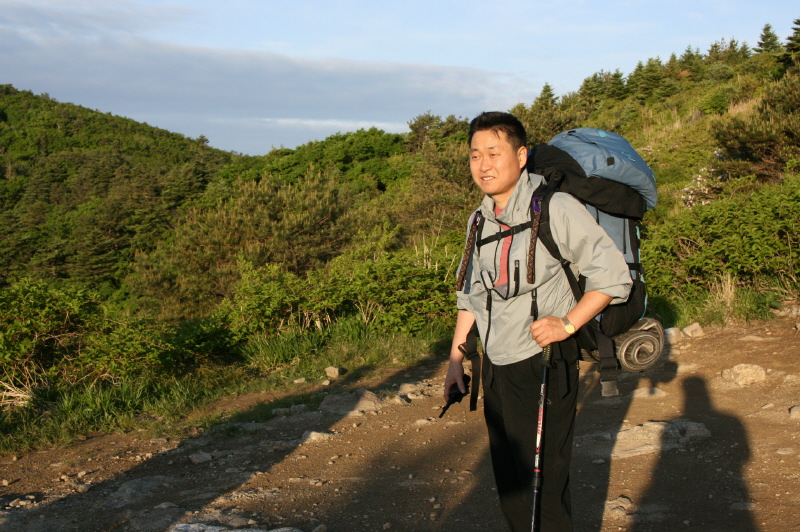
[(13, 396), (745, 107)]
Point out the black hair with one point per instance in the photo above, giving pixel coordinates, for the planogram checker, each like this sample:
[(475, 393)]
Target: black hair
[(497, 121)]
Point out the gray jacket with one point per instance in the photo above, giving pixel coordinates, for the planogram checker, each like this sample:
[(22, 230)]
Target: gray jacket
[(504, 323)]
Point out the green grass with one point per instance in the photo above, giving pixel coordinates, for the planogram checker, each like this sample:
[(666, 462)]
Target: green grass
[(166, 405)]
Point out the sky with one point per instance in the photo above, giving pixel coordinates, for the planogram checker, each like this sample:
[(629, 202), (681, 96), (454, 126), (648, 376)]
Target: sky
[(255, 75)]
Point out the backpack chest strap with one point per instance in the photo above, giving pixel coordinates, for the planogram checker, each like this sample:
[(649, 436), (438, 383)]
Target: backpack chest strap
[(503, 234)]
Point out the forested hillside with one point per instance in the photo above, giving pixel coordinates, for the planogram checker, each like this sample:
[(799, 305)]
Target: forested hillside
[(132, 256)]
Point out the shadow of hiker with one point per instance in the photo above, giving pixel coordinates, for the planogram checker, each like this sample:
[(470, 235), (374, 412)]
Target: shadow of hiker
[(698, 481), (602, 418)]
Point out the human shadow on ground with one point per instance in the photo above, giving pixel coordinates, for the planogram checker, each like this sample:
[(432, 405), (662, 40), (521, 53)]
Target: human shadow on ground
[(702, 486), (591, 472)]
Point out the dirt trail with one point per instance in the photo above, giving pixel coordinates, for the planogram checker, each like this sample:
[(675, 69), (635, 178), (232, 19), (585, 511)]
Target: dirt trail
[(685, 447)]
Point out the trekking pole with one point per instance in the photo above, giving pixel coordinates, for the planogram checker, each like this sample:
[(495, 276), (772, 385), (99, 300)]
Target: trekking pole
[(537, 459)]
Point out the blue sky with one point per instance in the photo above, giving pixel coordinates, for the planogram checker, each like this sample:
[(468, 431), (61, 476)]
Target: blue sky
[(255, 75)]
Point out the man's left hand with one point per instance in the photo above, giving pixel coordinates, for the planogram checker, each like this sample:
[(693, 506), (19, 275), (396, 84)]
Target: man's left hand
[(548, 330)]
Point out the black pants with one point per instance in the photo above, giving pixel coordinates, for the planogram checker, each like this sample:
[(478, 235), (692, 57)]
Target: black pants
[(511, 408)]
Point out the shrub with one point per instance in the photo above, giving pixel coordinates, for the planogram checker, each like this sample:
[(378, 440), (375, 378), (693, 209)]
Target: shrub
[(52, 338), (748, 236)]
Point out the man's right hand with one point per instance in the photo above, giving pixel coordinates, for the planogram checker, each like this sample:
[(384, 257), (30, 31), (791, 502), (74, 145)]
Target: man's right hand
[(454, 377)]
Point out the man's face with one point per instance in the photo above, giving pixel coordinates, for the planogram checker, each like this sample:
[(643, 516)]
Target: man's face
[(495, 164)]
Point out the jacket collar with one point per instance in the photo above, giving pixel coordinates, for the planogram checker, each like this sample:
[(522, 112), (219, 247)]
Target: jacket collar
[(517, 209)]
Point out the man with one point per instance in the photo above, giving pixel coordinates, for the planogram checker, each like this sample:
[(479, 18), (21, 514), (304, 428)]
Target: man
[(497, 296)]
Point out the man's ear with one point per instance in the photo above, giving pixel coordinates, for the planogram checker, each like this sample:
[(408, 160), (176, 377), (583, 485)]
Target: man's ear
[(522, 156)]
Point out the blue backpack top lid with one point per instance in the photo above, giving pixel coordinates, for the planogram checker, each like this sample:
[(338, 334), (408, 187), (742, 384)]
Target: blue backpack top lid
[(608, 155)]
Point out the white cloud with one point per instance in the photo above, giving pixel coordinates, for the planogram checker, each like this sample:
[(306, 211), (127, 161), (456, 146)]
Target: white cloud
[(182, 88), (250, 75)]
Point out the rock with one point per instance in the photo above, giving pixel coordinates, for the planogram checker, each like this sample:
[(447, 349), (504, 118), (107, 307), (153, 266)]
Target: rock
[(745, 374), (276, 445), (648, 392), (743, 506), (673, 335), (620, 507), (165, 505), (693, 331), (301, 380), (354, 403), (197, 527), (791, 380), (312, 436), (408, 388), (243, 426), (238, 521), (333, 372), (200, 458), (134, 490), (794, 412), (290, 411), (202, 527), (657, 436)]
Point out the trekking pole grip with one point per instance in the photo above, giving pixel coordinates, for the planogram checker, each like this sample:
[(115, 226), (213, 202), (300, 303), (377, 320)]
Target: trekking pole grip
[(547, 356)]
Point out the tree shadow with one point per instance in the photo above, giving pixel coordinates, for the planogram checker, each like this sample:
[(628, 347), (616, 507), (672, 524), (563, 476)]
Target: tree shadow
[(204, 472)]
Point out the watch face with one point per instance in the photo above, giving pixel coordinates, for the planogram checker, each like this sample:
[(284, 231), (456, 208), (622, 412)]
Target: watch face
[(570, 328)]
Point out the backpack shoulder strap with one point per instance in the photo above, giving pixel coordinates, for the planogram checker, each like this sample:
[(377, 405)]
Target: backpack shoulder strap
[(475, 227), (589, 337), (546, 236)]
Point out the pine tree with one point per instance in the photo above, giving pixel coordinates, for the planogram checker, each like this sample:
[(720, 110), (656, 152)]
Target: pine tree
[(768, 42), (793, 42), (615, 86), (692, 64), (547, 98)]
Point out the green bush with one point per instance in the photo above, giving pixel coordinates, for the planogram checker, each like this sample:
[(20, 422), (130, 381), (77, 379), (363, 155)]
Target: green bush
[(716, 103), (748, 236), (62, 335)]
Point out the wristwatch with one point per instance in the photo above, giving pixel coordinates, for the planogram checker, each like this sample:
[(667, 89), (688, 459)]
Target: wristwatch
[(570, 328)]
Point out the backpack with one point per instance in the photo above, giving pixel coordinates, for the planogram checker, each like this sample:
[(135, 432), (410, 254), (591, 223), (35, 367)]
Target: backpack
[(604, 172)]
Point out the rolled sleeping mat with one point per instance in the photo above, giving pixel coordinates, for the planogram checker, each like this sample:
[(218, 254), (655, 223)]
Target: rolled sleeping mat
[(640, 348), (637, 349)]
